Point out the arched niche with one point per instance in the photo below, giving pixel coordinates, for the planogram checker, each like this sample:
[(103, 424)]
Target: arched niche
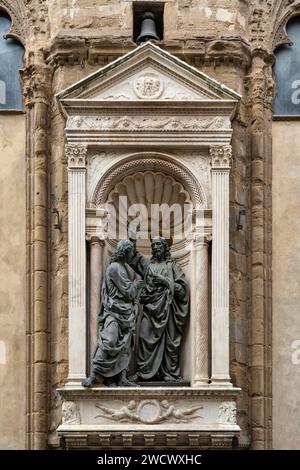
[(143, 180), (150, 178), (11, 61), (153, 161)]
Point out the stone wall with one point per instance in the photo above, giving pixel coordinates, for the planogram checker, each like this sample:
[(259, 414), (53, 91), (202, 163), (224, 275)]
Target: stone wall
[(13, 282), (184, 19)]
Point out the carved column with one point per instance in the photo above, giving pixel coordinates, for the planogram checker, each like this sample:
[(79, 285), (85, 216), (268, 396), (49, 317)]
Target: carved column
[(220, 168), (199, 310), (260, 88), (77, 263), (37, 87), (96, 271)]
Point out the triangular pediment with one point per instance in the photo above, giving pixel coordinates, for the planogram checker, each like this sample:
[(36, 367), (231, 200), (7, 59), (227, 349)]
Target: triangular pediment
[(148, 73)]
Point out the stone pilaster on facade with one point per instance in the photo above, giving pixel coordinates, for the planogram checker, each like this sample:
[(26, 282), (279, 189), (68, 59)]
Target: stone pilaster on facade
[(260, 87), (76, 155), (200, 311), (220, 168), (96, 270), (37, 79)]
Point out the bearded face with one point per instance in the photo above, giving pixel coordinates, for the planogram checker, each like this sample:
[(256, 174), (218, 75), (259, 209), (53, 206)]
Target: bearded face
[(158, 249)]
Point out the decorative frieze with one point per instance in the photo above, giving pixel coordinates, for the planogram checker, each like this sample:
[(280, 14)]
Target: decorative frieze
[(149, 412), (151, 417), (146, 123)]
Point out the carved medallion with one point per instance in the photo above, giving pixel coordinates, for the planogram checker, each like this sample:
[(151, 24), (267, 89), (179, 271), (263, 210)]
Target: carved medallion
[(148, 86), (149, 412)]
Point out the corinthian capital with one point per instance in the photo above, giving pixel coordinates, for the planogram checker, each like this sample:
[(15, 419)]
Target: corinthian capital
[(37, 80), (76, 156), (221, 156)]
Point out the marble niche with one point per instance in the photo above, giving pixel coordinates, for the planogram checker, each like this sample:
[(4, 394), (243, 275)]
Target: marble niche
[(147, 122)]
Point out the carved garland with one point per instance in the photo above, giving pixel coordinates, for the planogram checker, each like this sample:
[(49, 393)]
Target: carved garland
[(183, 174), (143, 123)]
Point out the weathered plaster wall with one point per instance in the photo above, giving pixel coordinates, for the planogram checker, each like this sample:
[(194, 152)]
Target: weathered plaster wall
[(286, 285), (12, 286)]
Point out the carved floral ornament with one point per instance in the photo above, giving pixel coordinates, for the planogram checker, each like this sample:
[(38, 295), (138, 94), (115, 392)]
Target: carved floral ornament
[(76, 156), (146, 123), (221, 156)]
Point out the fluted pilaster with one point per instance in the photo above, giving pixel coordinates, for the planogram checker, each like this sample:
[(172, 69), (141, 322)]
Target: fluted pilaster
[(220, 168), (77, 263)]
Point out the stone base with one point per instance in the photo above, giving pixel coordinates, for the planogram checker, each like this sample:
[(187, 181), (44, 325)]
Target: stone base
[(148, 417), (163, 384)]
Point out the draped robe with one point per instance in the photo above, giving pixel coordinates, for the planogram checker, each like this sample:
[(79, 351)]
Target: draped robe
[(165, 310), (116, 322)]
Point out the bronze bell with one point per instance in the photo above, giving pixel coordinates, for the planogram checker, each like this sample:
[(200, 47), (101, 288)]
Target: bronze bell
[(148, 28)]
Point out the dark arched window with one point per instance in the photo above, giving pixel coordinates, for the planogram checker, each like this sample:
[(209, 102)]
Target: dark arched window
[(11, 61), (287, 73)]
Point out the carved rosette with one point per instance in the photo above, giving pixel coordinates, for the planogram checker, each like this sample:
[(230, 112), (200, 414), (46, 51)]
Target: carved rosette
[(221, 157), (76, 156)]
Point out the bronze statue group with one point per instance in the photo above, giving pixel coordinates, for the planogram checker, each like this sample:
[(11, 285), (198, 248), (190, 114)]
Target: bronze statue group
[(164, 296)]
